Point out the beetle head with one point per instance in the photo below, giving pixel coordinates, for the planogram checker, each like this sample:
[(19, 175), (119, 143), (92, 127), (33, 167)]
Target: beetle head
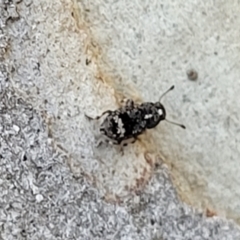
[(159, 113)]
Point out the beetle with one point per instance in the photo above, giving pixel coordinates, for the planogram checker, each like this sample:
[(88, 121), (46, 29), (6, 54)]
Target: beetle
[(125, 124)]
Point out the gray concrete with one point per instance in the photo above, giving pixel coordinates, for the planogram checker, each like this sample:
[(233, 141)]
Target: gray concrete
[(53, 183), (151, 46)]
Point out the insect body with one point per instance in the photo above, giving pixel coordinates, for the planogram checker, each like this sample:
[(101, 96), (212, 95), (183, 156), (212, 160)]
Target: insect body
[(131, 120)]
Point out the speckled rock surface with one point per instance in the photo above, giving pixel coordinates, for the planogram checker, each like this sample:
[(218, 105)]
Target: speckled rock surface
[(151, 46), (52, 180)]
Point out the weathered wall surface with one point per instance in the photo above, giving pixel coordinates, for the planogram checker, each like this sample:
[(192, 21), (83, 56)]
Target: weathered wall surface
[(152, 46), (57, 63)]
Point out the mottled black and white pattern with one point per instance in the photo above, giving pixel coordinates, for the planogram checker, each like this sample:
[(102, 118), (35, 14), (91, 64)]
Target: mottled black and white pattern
[(131, 120)]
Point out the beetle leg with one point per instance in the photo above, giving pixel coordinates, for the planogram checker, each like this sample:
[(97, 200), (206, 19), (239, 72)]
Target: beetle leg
[(98, 143), (96, 118), (129, 103), (120, 149), (134, 140)]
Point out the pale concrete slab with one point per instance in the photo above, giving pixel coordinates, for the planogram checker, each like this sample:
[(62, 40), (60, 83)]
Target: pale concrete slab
[(54, 183), (151, 46)]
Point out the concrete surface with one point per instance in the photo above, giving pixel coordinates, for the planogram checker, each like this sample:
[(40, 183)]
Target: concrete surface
[(54, 183), (151, 46)]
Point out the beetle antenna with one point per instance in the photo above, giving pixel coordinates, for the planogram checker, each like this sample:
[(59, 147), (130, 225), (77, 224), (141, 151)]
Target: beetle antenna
[(174, 123), (170, 89)]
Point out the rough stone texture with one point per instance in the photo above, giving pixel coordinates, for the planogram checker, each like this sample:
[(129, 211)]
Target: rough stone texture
[(48, 189), (153, 45)]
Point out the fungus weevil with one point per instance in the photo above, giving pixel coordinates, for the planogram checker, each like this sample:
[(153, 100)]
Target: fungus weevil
[(131, 120)]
